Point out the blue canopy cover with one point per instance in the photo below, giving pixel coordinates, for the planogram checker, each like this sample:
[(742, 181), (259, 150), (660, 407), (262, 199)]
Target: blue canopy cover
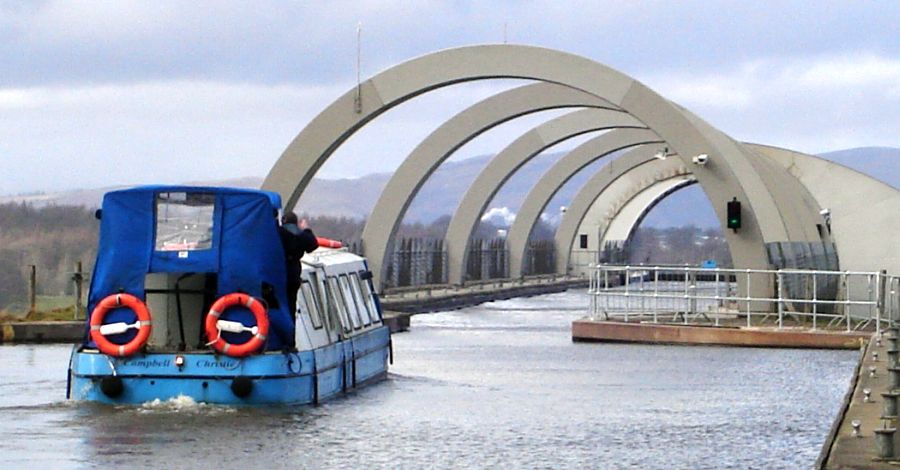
[(239, 243)]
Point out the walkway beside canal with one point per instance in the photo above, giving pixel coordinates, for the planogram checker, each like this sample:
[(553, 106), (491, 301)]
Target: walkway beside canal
[(864, 405), (422, 299)]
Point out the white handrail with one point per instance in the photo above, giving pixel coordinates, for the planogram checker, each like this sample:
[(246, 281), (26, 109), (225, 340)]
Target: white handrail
[(819, 294)]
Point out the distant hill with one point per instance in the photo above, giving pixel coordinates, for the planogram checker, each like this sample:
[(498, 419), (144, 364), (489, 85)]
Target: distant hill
[(882, 163), (441, 193)]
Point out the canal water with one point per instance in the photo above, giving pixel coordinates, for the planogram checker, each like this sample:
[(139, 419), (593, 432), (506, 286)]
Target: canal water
[(500, 384)]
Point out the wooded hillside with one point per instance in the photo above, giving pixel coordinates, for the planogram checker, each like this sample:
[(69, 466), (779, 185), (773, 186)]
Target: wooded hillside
[(53, 238)]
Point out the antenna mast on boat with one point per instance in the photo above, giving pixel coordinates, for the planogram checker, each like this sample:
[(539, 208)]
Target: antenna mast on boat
[(358, 100)]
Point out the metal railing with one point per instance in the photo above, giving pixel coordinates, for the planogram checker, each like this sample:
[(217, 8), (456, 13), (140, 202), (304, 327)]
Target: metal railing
[(848, 300), (891, 291)]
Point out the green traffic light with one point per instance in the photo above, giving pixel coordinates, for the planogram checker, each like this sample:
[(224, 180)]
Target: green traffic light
[(733, 214)]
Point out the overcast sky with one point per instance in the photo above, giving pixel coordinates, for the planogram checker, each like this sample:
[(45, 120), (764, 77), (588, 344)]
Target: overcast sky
[(102, 93)]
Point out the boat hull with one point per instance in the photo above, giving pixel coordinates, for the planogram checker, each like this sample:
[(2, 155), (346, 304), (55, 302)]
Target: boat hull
[(276, 378)]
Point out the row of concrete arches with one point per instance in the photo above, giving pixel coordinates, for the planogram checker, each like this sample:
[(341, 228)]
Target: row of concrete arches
[(634, 119)]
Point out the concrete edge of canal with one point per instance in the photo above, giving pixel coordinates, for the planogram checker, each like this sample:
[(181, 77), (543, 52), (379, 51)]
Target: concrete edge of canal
[(42, 332), (826, 449), (864, 433)]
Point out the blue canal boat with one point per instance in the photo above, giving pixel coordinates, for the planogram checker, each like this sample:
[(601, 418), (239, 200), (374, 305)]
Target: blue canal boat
[(189, 298)]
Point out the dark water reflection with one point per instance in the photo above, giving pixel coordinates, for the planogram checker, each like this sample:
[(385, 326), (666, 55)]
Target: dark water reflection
[(496, 385)]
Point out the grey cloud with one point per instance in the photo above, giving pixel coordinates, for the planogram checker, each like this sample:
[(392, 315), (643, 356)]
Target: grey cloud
[(314, 42), (131, 92)]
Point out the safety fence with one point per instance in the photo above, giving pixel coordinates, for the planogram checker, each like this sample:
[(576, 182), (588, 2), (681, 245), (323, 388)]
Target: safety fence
[(417, 261), (809, 298), (420, 261), (540, 258), (488, 259)]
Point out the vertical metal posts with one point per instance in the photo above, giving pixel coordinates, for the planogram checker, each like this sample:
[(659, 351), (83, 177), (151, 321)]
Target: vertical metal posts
[(847, 298), (894, 307), (590, 292), (748, 298), (692, 302), (686, 295), (78, 277), (815, 298), (655, 294), (880, 294), (874, 311), (716, 313), (641, 284), (606, 287), (32, 288), (780, 302), (627, 300)]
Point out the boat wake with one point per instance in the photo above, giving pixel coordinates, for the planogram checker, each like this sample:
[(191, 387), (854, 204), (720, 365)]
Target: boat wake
[(181, 404), (39, 407)]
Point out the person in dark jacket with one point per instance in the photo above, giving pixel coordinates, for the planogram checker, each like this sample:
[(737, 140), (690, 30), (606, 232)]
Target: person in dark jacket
[(297, 240)]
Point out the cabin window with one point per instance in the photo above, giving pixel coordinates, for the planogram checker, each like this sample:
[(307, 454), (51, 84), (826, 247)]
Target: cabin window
[(337, 300), (328, 310), (348, 301), (369, 296), (184, 221), (358, 299), (311, 300)]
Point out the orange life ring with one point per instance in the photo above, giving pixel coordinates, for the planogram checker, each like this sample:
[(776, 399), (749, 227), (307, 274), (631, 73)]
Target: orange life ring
[(214, 331), (329, 243), (112, 302)]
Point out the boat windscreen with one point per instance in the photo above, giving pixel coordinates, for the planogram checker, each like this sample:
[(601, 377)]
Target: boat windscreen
[(184, 221)]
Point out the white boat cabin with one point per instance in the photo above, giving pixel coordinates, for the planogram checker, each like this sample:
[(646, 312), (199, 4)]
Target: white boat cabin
[(336, 300)]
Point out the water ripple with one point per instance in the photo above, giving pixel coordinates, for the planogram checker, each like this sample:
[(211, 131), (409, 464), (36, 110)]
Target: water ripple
[(500, 385)]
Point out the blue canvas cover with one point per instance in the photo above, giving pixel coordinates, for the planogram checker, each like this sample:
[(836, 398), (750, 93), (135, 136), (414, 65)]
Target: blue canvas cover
[(245, 252)]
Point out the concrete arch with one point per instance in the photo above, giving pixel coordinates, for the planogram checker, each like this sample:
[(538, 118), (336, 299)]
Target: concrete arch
[(732, 171), (630, 215), (789, 217), (557, 176), (865, 234), (613, 215), (623, 220), (633, 189), (506, 162), (636, 165), (317, 141), (587, 202), (428, 155)]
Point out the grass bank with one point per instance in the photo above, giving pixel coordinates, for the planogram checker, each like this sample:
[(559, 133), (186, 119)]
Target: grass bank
[(47, 308)]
